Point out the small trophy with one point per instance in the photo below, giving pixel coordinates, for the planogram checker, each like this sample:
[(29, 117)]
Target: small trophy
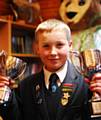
[(13, 68), (87, 63)]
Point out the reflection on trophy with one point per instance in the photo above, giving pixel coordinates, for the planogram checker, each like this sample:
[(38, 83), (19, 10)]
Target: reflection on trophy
[(13, 68), (87, 63)]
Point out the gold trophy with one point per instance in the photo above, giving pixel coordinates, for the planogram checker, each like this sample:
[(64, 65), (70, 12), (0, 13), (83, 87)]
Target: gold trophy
[(88, 63), (13, 68)]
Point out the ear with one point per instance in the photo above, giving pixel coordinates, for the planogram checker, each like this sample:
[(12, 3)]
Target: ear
[(70, 45), (35, 48)]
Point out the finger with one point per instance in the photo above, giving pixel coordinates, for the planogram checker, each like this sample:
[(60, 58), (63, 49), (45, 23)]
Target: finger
[(86, 80), (95, 87), (2, 84), (95, 84), (11, 81), (96, 76), (3, 77), (97, 90), (13, 86)]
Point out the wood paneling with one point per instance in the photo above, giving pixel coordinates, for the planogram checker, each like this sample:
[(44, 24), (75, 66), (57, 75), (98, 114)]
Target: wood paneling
[(49, 8), (4, 8)]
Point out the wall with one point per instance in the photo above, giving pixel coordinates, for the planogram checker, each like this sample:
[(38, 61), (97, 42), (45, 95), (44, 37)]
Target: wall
[(49, 8)]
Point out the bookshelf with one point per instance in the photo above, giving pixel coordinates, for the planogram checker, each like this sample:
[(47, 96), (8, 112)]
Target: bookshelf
[(16, 38)]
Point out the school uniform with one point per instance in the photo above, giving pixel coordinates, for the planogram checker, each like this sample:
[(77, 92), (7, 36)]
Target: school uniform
[(36, 102)]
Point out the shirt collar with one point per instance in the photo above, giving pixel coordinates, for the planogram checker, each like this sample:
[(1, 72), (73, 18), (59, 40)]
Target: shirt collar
[(61, 73)]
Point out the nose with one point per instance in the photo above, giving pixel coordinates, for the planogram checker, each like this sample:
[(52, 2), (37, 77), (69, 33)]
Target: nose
[(53, 51)]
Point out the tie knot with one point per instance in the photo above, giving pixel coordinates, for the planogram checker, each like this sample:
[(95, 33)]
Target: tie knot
[(53, 77)]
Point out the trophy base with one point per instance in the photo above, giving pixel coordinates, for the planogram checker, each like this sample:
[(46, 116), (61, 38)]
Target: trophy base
[(95, 108)]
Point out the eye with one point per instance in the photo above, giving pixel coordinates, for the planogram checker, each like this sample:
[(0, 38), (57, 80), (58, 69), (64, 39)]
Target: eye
[(59, 45), (45, 46), (81, 2)]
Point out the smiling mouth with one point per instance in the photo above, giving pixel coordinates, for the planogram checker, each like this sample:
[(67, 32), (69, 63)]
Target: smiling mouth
[(70, 15), (53, 59)]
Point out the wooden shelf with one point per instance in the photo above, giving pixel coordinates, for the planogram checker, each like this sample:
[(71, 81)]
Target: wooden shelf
[(16, 38), (23, 55)]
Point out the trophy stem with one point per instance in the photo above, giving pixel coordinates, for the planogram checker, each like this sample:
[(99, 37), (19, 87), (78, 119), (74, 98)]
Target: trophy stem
[(96, 97)]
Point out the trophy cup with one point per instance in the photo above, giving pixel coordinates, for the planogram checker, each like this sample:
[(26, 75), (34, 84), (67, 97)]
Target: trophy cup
[(13, 68), (88, 63)]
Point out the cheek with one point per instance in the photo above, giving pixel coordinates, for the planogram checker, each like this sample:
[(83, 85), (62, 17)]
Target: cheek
[(65, 50), (42, 53), (64, 53)]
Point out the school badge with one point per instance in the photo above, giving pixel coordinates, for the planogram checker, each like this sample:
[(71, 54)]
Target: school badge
[(66, 91)]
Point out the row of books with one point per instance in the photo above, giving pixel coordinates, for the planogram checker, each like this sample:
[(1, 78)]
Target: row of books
[(22, 44)]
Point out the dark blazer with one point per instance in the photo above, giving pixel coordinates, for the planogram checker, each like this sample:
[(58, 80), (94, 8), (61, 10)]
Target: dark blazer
[(29, 103)]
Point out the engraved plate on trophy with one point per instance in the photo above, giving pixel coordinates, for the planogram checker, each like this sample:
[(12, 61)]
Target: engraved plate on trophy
[(90, 63)]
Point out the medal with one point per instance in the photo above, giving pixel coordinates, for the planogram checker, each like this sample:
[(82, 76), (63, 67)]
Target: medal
[(66, 91), (65, 98)]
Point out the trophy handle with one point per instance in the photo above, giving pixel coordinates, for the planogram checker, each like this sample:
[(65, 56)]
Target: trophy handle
[(77, 61), (3, 58)]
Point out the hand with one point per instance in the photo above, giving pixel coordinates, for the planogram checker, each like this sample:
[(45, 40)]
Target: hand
[(7, 81), (95, 84), (4, 81)]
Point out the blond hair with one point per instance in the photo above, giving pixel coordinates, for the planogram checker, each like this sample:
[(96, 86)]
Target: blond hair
[(53, 24)]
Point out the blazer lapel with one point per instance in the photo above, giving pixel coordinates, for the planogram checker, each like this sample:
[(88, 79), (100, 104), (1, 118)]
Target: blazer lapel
[(40, 100)]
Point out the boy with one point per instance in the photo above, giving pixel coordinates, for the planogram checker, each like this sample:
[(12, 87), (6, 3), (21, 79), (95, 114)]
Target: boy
[(41, 97)]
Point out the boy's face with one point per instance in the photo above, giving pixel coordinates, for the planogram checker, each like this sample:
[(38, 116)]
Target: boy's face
[(53, 49)]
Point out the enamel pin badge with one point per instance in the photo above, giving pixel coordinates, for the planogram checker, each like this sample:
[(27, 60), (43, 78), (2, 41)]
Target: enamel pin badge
[(37, 88), (66, 92), (38, 95)]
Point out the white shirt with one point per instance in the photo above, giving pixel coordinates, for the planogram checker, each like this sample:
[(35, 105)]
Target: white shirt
[(61, 74)]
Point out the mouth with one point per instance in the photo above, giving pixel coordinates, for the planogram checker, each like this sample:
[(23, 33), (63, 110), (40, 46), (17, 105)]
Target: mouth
[(71, 15), (53, 60)]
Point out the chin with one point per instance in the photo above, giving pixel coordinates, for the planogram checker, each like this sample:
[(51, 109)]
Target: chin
[(55, 69)]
